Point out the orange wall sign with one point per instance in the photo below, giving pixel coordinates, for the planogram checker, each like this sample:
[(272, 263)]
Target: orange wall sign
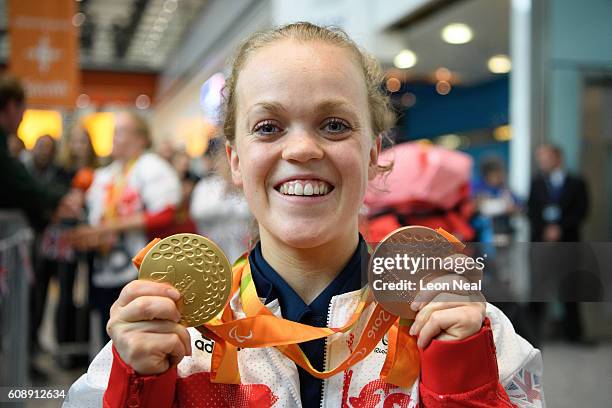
[(44, 50)]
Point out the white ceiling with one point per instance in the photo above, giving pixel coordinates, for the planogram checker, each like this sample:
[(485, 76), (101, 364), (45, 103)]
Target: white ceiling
[(490, 21), (108, 22)]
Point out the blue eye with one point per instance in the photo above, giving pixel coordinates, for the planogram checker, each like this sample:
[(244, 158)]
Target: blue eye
[(266, 128), (336, 126)]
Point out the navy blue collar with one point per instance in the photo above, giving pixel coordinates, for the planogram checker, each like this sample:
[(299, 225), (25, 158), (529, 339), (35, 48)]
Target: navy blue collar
[(270, 285)]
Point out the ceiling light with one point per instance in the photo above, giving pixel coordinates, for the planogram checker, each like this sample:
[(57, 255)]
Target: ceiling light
[(457, 33), (443, 74), (78, 19), (443, 87), (502, 133), (451, 141), (499, 64), (143, 101), (160, 26), (405, 59), (393, 84), (170, 6), (82, 101), (408, 100), (166, 14)]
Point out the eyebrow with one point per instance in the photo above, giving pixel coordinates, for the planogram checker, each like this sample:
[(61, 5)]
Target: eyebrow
[(325, 106), (272, 107)]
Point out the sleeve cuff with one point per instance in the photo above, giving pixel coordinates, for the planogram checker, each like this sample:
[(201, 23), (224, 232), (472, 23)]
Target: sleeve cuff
[(125, 385), (157, 220), (459, 366)]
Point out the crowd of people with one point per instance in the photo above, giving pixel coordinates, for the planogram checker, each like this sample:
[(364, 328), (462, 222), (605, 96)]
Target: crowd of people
[(97, 213)]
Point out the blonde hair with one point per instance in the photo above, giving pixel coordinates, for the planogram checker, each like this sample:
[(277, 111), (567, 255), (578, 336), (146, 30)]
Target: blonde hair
[(141, 125), (382, 115), (66, 158)]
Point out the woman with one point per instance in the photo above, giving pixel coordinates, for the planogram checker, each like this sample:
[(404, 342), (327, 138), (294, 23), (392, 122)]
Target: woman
[(77, 151), (136, 193), (303, 117)]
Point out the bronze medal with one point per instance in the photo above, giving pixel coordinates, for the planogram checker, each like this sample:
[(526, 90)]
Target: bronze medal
[(415, 242), (197, 268)]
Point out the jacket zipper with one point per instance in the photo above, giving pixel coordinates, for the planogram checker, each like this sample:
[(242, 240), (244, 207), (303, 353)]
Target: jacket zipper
[(277, 364), (136, 384), (325, 350)]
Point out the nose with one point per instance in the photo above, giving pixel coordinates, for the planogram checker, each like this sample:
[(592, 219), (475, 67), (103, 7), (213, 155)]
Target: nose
[(302, 146)]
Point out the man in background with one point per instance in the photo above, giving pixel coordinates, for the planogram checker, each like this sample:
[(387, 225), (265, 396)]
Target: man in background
[(17, 148), (558, 200), (557, 207), (21, 190)]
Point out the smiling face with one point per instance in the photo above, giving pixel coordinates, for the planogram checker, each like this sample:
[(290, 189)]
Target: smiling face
[(304, 149)]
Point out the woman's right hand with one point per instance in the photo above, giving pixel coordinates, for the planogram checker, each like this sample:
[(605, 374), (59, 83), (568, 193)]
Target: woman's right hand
[(144, 327)]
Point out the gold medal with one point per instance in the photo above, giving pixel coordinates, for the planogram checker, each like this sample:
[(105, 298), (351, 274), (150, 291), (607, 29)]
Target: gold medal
[(197, 268)]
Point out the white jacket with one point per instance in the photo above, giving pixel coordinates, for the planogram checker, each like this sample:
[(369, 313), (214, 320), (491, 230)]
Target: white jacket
[(270, 379)]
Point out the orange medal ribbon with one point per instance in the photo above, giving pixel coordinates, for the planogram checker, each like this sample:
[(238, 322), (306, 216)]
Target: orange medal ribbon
[(116, 190), (261, 328)]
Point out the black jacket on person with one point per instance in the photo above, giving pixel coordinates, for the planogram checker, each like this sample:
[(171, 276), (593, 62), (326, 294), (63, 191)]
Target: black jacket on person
[(573, 202), (20, 190)]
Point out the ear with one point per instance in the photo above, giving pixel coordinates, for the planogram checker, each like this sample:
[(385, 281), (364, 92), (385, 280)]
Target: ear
[(374, 153), (234, 163)]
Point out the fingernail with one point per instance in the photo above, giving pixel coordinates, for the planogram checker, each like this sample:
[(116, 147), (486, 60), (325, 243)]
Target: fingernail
[(173, 293), (412, 330), (415, 306)]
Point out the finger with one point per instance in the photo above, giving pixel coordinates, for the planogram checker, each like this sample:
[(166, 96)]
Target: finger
[(149, 308), (445, 283), (423, 315), (437, 322), (174, 348), (164, 326), (153, 353), (138, 288)]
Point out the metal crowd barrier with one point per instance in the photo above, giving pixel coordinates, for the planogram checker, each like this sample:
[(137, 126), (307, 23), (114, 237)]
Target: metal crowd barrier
[(15, 275)]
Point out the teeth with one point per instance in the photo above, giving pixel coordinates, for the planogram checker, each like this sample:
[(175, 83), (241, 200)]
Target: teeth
[(307, 188)]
